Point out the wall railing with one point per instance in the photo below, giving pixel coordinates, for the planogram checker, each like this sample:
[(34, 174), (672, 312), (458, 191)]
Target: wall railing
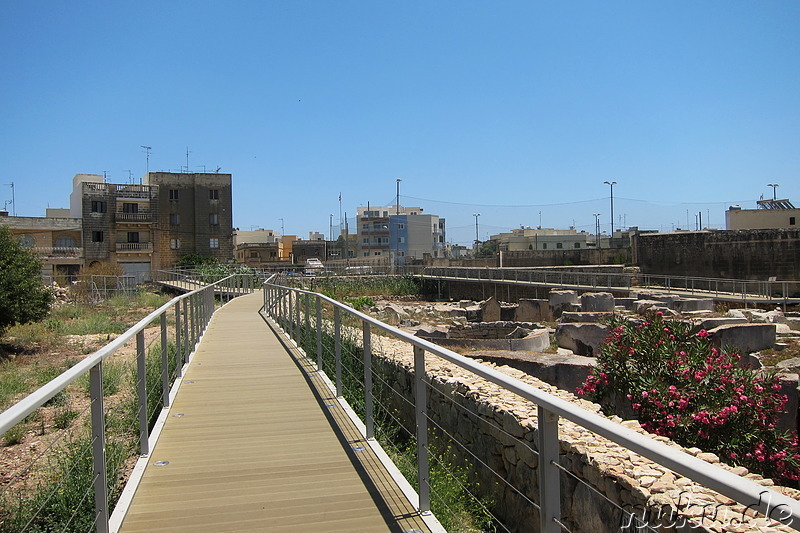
[(122, 428), (749, 290), (323, 336)]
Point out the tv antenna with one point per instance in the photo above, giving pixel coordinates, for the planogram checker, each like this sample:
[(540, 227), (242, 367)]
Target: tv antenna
[(187, 159), (147, 158), (105, 176), (130, 177), (13, 200)]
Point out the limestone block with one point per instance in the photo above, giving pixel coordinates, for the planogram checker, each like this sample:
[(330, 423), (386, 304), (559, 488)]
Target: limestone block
[(597, 302), (561, 301), (793, 323), (395, 310), (572, 317), (490, 310), (530, 310), (626, 303), (710, 323), (642, 306), (431, 332), (744, 338), (685, 305), (582, 339)]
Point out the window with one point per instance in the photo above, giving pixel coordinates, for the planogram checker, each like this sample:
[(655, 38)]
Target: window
[(213, 219), (130, 208), (577, 245), (133, 236), (65, 242), (401, 226), (365, 240), (544, 246), (173, 194), (97, 236), (213, 194), (559, 245), (27, 241), (98, 206), (174, 244), (174, 219), (791, 221), (253, 255), (401, 239), (213, 242)]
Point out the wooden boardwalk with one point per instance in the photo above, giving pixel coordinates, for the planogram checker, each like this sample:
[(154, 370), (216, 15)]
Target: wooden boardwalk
[(253, 445)]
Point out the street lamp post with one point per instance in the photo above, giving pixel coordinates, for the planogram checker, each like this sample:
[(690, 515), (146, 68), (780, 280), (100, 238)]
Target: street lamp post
[(611, 184), (331, 227), (597, 229), (477, 240), (396, 262), (774, 186)]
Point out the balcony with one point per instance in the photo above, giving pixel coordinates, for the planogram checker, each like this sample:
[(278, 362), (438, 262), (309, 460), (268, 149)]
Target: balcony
[(142, 217), (57, 252), (134, 191), (135, 247)]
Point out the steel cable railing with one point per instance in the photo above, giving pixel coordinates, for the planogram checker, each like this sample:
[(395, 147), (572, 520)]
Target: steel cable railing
[(88, 464), (550, 410)]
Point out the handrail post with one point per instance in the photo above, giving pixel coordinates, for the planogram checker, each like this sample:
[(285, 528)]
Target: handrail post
[(367, 343), (337, 332), (549, 480), (164, 361), (178, 353), (421, 417), (319, 333), (141, 390), (186, 340), (99, 448), (290, 314), (298, 326), (307, 332)]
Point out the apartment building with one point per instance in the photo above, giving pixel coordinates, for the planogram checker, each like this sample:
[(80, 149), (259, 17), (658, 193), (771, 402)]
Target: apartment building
[(149, 226), (770, 214), (118, 223), (56, 239), (194, 215), (399, 232), (527, 238)]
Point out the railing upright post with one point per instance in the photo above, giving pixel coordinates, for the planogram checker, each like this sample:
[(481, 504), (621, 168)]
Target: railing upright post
[(186, 340), (367, 343), (319, 333), (307, 332), (99, 448), (178, 352), (421, 416), (337, 332), (298, 323), (549, 480), (141, 390), (164, 361), (290, 314)]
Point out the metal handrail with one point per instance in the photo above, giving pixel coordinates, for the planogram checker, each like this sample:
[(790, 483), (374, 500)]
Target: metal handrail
[(193, 311), (740, 489), (701, 286)]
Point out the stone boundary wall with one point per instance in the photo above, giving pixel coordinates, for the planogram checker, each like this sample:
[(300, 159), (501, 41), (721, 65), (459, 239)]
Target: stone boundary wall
[(500, 429), (567, 257), (739, 254), (488, 330)]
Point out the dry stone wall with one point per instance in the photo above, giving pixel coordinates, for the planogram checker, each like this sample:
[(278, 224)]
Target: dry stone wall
[(607, 489)]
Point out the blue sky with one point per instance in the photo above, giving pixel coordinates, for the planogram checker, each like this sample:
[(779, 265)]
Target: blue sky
[(510, 109)]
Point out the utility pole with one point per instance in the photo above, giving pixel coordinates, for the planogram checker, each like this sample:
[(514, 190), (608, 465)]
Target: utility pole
[(774, 193), (611, 184), (477, 239), (597, 229), (331, 228), (396, 262)]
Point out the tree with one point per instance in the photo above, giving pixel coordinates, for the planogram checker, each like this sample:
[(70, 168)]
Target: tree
[(487, 249), (23, 296)]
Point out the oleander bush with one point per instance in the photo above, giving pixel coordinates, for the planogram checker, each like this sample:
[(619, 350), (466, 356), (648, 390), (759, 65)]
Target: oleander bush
[(678, 385)]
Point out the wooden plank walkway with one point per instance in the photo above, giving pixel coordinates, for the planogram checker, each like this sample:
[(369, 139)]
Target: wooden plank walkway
[(256, 449)]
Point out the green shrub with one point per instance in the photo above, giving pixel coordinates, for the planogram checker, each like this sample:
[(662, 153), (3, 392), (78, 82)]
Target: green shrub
[(23, 295), (679, 386)]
